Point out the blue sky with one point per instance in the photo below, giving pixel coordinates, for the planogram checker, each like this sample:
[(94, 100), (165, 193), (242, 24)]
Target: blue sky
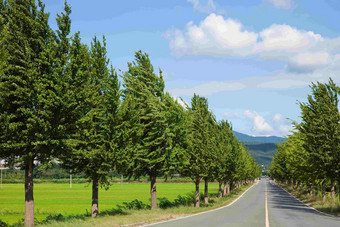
[(252, 59)]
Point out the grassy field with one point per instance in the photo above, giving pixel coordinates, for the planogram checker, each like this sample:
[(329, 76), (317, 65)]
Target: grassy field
[(144, 216), (53, 199)]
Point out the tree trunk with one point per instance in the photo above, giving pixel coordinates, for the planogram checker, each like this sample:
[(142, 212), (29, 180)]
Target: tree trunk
[(225, 188), (323, 188), (220, 189), (339, 189), (197, 195), (316, 190), (94, 211), (333, 190), (153, 193), (206, 199), (29, 201), (310, 188), (228, 188)]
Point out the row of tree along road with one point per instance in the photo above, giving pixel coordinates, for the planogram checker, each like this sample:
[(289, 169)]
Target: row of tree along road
[(59, 100), (311, 155)]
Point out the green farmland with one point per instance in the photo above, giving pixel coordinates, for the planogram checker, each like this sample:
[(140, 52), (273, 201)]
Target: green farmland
[(60, 198)]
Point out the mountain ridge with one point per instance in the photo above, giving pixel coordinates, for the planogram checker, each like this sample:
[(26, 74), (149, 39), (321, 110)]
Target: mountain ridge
[(260, 139), (261, 148)]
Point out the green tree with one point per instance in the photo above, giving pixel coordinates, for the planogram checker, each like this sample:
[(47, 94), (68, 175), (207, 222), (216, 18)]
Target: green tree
[(224, 147), (197, 152), (211, 154), (149, 143), (320, 130), (92, 143), (29, 91), (311, 154)]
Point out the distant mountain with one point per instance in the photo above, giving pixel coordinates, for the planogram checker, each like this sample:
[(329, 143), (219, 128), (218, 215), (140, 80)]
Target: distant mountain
[(261, 148), (260, 139), (262, 152)]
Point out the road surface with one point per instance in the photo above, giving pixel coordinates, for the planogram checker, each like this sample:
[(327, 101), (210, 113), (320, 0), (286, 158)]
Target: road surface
[(262, 205)]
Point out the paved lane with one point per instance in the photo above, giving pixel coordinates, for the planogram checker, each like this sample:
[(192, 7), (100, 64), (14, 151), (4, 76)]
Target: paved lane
[(285, 210), (250, 210)]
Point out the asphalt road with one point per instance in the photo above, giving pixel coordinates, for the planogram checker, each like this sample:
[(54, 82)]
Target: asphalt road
[(262, 205)]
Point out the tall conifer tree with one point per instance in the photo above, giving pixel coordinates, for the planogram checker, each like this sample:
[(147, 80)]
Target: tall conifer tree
[(29, 91), (149, 144), (197, 152), (95, 94)]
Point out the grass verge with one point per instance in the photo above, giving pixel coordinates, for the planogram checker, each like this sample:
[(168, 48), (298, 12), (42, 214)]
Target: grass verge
[(132, 217), (315, 201)]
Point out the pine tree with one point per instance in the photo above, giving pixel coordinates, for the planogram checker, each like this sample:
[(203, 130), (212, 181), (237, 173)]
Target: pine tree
[(211, 155), (311, 153), (95, 94), (223, 151), (197, 152), (320, 130), (29, 91), (149, 142)]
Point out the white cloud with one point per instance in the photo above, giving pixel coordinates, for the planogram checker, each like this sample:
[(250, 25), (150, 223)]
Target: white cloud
[(307, 62), (206, 6), (309, 57), (285, 38), (285, 4), (209, 7), (208, 88), (178, 43), (282, 126), (230, 115), (217, 36), (276, 80), (285, 129), (259, 124), (286, 80), (277, 118), (214, 36)]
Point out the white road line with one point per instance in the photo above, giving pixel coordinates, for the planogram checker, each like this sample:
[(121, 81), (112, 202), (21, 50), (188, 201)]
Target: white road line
[(267, 219), (204, 212)]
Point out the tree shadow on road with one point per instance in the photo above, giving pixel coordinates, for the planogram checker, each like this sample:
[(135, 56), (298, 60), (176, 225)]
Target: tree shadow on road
[(283, 200)]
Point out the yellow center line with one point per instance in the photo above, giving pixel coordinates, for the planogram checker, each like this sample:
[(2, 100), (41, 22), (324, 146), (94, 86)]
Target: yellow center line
[(267, 219)]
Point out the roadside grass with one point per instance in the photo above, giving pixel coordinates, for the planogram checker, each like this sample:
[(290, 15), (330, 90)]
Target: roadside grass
[(133, 217), (58, 205), (316, 201)]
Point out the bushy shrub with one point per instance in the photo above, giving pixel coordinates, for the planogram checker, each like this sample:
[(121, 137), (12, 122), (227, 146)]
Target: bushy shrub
[(3, 224), (135, 205), (165, 203)]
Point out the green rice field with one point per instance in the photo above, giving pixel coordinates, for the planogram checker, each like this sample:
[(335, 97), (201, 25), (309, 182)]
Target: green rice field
[(52, 199)]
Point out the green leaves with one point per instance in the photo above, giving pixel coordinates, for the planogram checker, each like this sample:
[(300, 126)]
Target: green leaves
[(154, 121), (311, 154), (28, 86), (213, 151), (60, 100)]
